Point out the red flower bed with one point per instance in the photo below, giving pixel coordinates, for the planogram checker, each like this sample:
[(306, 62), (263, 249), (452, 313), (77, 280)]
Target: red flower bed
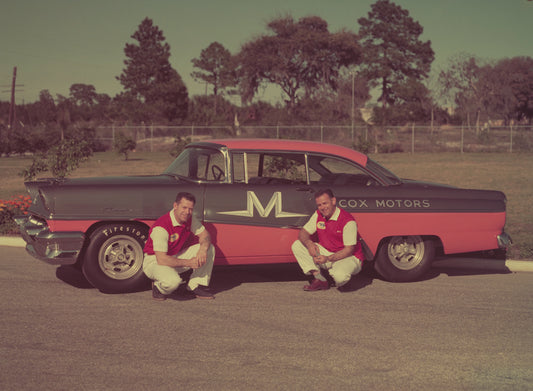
[(17, 205)]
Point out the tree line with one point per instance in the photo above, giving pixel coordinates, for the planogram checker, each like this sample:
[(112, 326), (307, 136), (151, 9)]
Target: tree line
[(322, 76)]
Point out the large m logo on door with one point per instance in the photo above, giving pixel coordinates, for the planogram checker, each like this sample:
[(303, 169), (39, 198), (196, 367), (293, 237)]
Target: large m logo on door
[(252, 202)]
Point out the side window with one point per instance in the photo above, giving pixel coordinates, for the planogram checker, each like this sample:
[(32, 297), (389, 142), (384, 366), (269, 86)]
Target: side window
[(285, 168), (269, 168), (328, 171)]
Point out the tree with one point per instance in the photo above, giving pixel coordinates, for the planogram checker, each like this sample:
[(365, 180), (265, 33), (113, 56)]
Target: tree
[(83, 94), (44, 110), (413, 103), (82, 99), (507, 89), (460, 82), (149, 78), (298, 56), (392, 50), (215, 68)]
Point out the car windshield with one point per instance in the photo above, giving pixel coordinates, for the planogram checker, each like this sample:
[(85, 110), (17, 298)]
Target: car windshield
[(198, 164), (382, 171)]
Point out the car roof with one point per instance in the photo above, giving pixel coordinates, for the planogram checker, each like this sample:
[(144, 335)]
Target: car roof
[(290, 145)]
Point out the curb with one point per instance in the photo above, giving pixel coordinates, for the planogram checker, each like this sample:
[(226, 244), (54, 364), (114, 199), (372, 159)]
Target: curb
[(495, 265), (12, 241)]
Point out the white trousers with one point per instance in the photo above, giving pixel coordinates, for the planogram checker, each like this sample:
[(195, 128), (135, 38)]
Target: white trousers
[(168, 279), (341, 271)]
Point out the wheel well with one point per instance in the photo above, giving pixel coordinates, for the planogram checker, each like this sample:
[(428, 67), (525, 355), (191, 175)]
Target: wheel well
[(99, 224)]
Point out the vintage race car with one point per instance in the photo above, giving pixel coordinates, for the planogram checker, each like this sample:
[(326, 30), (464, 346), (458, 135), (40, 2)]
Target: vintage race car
[(253, 196)]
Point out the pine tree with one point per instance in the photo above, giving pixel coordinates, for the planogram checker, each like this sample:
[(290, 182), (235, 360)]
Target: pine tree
[(150, 79), (392, 50)]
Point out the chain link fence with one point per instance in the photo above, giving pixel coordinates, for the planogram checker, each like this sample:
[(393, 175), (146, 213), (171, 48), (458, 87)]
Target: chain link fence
[(367, 139)]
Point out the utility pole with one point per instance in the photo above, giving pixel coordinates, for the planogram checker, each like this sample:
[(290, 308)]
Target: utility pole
[(12, 106)]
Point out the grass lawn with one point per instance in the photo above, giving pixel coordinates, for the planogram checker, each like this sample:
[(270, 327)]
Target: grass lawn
[(510, 173)]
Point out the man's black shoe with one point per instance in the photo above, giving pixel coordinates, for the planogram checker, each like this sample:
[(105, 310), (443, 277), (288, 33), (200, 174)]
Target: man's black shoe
[(201, 292)]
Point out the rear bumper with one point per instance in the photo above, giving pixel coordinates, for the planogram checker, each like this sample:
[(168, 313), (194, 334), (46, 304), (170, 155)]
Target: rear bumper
[(55, 248)]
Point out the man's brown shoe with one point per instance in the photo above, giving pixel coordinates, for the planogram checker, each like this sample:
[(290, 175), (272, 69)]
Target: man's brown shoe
[(202, 292), (156, 295), (316, 285)]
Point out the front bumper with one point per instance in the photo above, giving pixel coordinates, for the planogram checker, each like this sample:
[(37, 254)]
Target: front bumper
[(55, 248), (504, 240)]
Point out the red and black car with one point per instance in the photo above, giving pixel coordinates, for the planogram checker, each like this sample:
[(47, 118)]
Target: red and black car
[(253, 196)]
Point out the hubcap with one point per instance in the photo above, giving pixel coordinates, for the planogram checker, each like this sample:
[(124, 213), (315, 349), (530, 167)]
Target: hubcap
[(406, 252), (120, 257)]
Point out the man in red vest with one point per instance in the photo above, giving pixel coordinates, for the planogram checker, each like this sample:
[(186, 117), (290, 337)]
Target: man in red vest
[(178, 242), (338, 249)]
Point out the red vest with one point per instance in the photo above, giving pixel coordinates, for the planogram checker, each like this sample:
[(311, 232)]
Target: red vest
[(330, 233), (178, 236)]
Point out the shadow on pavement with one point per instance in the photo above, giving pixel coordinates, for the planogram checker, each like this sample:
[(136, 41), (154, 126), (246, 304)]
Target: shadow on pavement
[(73, 276)]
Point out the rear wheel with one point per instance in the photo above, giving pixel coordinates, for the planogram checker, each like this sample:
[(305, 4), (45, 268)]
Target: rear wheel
[(114, 257), (404, 258)]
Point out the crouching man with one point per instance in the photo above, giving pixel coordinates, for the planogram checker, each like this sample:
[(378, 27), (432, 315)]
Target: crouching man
[(178, 242), (338, 249)]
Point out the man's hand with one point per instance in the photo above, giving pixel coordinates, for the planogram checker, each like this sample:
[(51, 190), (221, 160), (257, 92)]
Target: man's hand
[(320, 259), (201, 258)]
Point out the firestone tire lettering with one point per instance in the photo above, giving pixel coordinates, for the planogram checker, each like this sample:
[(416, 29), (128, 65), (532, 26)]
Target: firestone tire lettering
[(113, 261)]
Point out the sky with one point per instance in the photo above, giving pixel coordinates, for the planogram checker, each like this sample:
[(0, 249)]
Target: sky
[(57, 43)]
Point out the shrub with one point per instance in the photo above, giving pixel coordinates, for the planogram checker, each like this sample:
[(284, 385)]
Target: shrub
[(60, 160), (179, 145), (123, 145)]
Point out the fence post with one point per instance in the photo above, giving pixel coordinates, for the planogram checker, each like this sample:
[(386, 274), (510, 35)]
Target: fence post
[(113, 136), (413, 139), (462, 137), (511, 142), (152, 138), (277, 131), (321, 133), (192, 132)]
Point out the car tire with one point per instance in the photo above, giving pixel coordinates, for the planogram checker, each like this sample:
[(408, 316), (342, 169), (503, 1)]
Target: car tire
[(404, 258), (114, 257)]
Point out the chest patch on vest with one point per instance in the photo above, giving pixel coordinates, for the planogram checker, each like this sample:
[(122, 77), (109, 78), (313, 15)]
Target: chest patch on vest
[(174, 237), (321, 225)]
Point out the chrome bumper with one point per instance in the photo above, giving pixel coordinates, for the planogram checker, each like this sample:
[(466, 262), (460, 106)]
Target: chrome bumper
[(55, 248), (504, 240)]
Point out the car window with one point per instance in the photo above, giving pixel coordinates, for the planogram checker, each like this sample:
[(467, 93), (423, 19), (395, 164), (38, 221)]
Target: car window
[(199, 164), (262, 168), (330, 171)]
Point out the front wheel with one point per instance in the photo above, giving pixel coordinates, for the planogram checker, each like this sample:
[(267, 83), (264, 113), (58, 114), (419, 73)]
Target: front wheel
[(114, 257), (404, 258)]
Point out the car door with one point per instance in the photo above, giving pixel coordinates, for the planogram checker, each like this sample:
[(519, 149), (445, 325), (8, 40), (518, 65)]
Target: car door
[(256, 217)]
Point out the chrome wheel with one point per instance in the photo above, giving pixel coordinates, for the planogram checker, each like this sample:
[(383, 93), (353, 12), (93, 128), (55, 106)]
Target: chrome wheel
[(404, 258), (406, 252), (120, 257)]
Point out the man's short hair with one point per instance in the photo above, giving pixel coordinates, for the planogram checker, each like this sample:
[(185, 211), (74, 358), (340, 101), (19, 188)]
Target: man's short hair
[(187, 196), (324, 191)]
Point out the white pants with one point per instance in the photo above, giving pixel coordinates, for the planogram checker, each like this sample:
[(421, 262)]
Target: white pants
[(168, 279), (341, 271)]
